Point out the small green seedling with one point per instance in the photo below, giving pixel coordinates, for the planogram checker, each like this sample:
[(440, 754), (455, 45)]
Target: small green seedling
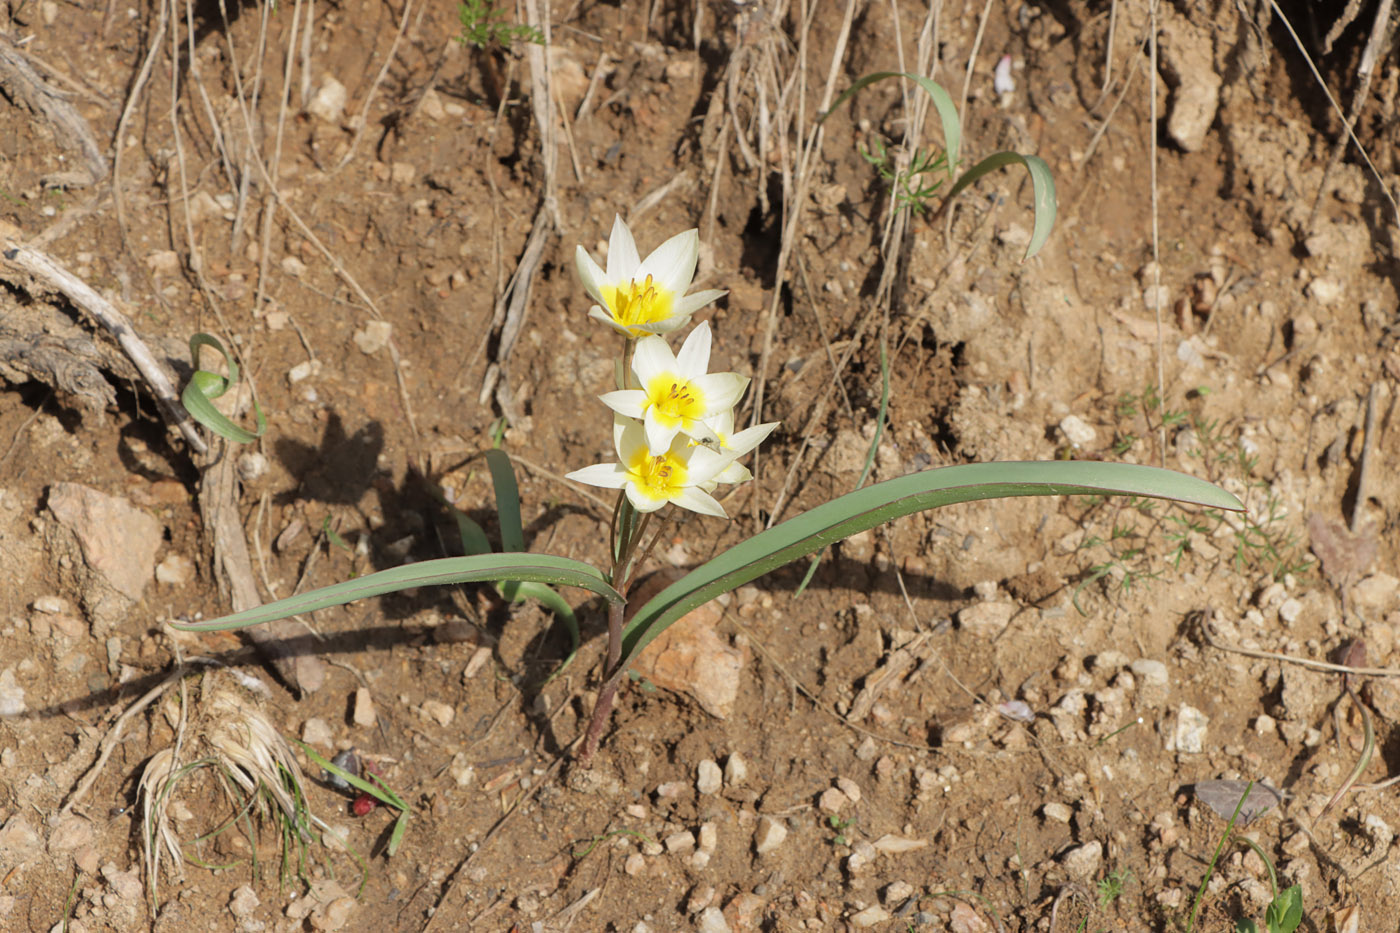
[(204, 387), (840, 826), (483, 25)]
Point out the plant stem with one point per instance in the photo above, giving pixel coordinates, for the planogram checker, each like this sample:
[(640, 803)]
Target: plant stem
[(607, 696)]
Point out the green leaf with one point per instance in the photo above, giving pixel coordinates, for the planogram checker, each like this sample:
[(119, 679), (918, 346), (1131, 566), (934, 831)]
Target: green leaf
[(376, 788), (1042, 186), (1285, 912), (482, 568), (555, 603), (947, 110), (874, 505), (507, 500), (204, 387), (1245, 926)]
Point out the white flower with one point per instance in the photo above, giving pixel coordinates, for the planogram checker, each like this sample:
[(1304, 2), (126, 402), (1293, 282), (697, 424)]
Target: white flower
[(676, 396), (651, 481), (644, 296), (732, 446)]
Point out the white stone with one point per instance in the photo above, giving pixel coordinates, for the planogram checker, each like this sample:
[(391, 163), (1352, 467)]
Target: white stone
[(870, 916), (317, 732), (850, 788), (708, 778), (328, 103), (890, 844), (1082, 862), (1190, 734), (736, 770), (1324, 290), (1078, 432), (770, 834), (175, 570), (364, 714), (1057, 812), (374, 337), (832, 800), (679, 842), (711, 920), (1153, 673), (438, 711), (11, 694), (51, 605), (987, 620)]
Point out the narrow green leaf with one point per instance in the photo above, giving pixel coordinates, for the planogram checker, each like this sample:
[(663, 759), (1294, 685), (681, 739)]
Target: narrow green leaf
[(1042, 187), (874, 505), (507, 500), (376, 789), (204, 387), (947, 110), (474, 540), (396, 837), (556, 604), (482, 568)]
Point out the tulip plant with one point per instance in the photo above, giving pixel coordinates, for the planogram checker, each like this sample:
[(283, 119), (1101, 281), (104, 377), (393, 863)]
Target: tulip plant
[(673, 426)]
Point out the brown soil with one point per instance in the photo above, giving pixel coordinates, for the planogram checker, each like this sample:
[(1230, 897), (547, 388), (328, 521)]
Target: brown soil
[(1275, 328)]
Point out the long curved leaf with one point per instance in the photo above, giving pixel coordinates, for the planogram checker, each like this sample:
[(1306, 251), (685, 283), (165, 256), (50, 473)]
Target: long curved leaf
[(507, 500), (874, 505), (204, 386), (1042, 186), (942, 102), (488, 568)]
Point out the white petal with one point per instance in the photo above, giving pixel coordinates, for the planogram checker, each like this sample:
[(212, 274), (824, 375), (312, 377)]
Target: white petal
[(622, 252), (664, 326), (722, 424), (704, 465), (602, 316), (628, 437), (694, 357), (734, 473), (672, 264), (590, 274), (722, 390), (692, 303), (659, 437), (640, 502), (749, 438), (626, 402), (607, 475), (651, 358), (697, 501)]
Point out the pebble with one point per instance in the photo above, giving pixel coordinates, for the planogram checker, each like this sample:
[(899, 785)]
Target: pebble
[(986, 619), (964, 918), (701, 897), (18, 840), (303, 370), (51, 605), (374, 337), (328, 103), (1324, 290), (335, 915), (364, 714), (736, 770), (832, 800), (243, 902), (769, 835), (11, 694), (862, 855), (711, 920), (251, 466), (1190, 734), (175, 570), (708, 778), (1078, 432), (1057, 812), (71, 832), (634, 864), (870, 916), (293, 266), (897, 892), (850, 788), (1153, 673), (671, 790), (1266, 725), (1082, 862), (442, 713), (1289, 611), (682, 841), (709, 835), (891, 844)]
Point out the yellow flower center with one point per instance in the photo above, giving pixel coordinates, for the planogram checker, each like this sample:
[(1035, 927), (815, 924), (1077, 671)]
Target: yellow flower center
[(658, 478), (677, 402), (638, 303)]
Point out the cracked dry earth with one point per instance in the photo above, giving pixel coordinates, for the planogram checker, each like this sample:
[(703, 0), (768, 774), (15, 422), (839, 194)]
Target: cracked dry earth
[(991, 717)]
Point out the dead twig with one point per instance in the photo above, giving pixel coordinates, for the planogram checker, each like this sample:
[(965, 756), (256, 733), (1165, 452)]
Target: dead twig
[(23, 85)]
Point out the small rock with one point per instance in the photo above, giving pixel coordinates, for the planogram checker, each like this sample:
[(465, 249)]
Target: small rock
[(700, 860), (1082, 862), (303, 370), (164, 262), (769, 835), (711, 920), (692, 657), (832, 800), (708, 837), (293, 266), (430, 106), (869, 916), (374, 337), (679, 842), (736, 770), (51, 605), (701, 897), (243, 902), (897, 892), (1190, 734), (1376, 593), (890, 844), (709, 779), (118, 543), (125, 884), (87, 860), (402, 173), (317, 732), (175, 570), (251, 466), (964, 918), (328, 103), (1057, 812), (859, 547), (70, 832), (1265, 725), (1289, 611), (442, 713), (1078, 432), (1153, 673), (670, 790), (850, 788), (334, 916), (1324, 290), (988, 619), (18, 840), (634, 864), (11, 695), (461, 770), (364, 714)]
